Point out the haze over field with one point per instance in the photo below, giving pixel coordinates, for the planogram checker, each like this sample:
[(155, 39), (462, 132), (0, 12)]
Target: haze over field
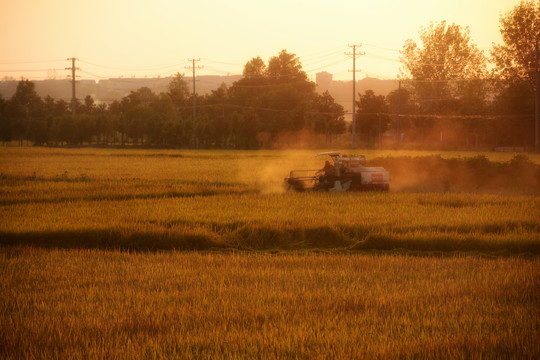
[(143, 38)]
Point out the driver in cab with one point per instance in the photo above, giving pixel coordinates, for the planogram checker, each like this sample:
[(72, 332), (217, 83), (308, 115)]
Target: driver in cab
[(328, 170)]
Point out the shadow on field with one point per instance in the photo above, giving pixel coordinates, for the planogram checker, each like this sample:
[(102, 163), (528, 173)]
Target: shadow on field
[(250, 238), (108, 239), (85, 198), (125, 197)]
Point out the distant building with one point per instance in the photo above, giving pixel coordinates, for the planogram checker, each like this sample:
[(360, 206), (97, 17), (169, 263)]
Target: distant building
[(108, 90), (324, 80)]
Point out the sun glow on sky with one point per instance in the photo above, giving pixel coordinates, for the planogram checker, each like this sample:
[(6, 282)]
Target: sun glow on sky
[(114, 38)]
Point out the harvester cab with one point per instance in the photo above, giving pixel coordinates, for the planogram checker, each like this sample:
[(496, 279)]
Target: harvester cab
[(346, 173)]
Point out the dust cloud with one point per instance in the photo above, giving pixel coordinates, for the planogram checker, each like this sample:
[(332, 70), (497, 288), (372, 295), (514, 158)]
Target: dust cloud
[(520, 176), (302, 139), (476, 174), (267, 171)]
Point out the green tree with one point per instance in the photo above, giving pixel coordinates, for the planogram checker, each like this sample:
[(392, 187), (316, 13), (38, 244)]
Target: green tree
[(215, 108), (277, 98), (61, 107), (37, 132), (439, 68), (143, 96), (115, 107), (25, 107), (65, 129), (246, 124), (254, 68), (520, 30), (5, 122), (514, 69), (515, 59), (85, 128), (328, 118), (178, 91), (514, 97), (285, 66), (254, 83), (400, 101), (372, 115), (88, 107), (49, 106), (164, 105), (27, 97)]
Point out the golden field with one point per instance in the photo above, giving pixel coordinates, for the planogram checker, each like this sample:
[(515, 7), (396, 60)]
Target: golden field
[(111, 253), (156, 199), (109, 304)]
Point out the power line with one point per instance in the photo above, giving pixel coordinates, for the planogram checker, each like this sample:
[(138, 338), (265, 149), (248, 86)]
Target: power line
[(217, 70), (94, 75), (333, 58), (269, 109), (416, 63), (328, 65), (31, 62), (143, 68), (322, 59), (324, 53), (447, 80), (381, 47), (133, 79), (383, 57), (28, 70), (435, 116), (221, 62)]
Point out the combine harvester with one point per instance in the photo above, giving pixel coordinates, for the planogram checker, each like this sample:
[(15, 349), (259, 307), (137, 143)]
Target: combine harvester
[(347, 173)]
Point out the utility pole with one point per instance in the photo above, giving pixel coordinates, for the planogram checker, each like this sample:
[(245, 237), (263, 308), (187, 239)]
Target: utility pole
[(73, 97), (193, 67), (354, 53), (536, 101), (399, 112)]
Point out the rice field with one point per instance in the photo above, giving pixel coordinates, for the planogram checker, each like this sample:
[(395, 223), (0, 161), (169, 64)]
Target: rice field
[(155, 199), (111, 253), (74, 304)]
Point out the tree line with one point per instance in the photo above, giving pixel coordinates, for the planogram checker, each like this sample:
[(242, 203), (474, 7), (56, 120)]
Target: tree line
[(268, 101), (446, 96), (453, 94)]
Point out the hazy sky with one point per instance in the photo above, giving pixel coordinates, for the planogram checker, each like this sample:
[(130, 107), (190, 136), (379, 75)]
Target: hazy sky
[(157, 37)]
